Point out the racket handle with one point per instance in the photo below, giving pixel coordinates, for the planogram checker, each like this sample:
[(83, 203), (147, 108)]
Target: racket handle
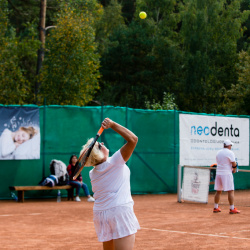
[(100, 131)]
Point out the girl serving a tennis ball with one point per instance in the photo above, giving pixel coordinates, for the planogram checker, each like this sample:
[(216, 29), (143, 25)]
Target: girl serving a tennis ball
[(114, 218)]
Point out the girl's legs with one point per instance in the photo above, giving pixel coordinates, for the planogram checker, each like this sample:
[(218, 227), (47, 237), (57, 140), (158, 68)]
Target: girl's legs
[(108, 245), (125, 243)]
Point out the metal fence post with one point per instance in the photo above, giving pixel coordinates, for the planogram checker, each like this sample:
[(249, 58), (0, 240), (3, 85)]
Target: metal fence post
[(179, 184), (44, 133)]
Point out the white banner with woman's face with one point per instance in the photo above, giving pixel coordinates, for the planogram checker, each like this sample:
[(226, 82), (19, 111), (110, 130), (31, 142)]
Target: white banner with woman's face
[(201, 137), (19, 133)]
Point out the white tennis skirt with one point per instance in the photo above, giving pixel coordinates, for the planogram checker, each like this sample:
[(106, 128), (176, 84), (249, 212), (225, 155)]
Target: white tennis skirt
[(224, 182), (115, 223)]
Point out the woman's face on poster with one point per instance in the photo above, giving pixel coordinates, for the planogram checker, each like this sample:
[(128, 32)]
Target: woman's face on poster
[(21, 136)]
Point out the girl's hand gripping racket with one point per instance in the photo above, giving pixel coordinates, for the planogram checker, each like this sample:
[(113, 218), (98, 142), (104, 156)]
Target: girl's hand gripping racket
[(84, 156)]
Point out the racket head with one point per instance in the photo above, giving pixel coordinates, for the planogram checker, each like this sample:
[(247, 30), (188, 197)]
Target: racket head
[(83, 158), (78, 170)]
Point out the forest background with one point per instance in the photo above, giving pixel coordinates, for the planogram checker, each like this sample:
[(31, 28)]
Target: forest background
[(192, 55)]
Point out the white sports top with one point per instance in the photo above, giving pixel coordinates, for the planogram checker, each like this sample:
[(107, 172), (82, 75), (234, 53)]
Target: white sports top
[(224, 159), (111, 183)]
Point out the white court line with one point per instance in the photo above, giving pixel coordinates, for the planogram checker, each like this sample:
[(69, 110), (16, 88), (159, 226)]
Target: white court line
[(19, 214), (199, 234)]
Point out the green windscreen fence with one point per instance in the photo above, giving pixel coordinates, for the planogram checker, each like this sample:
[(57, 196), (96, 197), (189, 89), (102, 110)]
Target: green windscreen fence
[(64, 129)]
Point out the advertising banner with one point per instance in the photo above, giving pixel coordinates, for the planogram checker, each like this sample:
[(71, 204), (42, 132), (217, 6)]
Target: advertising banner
[(195, 186), (20, 133), (201, 137)]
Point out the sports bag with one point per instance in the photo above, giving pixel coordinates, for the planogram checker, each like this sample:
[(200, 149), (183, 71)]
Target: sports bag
[(59, 169), (49, 181)]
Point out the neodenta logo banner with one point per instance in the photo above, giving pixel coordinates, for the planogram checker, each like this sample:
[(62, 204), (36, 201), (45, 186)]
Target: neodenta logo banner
[(201, 137)]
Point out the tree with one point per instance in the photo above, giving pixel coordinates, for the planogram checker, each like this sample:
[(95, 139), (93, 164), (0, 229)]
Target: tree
[(23, 12), (127, 67), (165, 18), (128, 7), (111, 18), (168, 103), (70, 69), (244, 42), (15, 85), (140, 62), (237, 99), (210, 30)]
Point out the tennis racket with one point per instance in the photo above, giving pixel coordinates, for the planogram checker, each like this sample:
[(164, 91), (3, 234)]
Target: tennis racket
[(84, 156)]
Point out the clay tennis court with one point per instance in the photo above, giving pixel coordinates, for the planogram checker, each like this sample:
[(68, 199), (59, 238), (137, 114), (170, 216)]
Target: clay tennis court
[(165, 224)]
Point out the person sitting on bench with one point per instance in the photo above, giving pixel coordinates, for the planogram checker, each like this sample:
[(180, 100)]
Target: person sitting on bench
[(78, 183)]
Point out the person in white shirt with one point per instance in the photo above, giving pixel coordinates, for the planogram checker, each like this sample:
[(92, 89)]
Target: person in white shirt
[(9, 140), (114, 218), (226, 165)]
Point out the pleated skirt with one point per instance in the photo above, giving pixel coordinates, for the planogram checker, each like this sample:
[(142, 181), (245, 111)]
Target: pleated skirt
[(115, 223)]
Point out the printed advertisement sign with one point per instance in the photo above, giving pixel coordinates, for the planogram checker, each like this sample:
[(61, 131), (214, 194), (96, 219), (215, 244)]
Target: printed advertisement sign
[(201, 137), (19, 133), (195, 186)]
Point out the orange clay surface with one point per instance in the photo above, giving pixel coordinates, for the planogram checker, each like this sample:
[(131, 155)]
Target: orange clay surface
[(165, 224)]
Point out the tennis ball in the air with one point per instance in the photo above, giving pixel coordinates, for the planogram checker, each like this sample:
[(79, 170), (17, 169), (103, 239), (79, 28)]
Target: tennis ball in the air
[(143, 15)]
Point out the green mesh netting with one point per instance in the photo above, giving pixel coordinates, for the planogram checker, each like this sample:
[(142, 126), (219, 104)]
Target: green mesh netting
[(64, 129)]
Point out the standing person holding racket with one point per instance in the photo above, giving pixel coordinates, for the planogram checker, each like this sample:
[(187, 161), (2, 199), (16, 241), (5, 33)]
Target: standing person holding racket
[(226, 165), (114, 218)]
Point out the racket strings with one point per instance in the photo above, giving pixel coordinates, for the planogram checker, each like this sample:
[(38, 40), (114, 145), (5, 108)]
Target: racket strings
[(83, 158)]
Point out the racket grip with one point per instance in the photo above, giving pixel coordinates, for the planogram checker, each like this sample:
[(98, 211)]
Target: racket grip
[(100, 131)]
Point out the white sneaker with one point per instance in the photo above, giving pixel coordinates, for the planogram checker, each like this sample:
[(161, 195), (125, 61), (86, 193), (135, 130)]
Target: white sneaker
[(90, 199), (78, 199)]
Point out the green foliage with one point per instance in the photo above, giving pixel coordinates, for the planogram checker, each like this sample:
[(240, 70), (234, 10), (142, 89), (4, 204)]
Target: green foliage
[(15, 53), (194, 49), (168, 103), (244, 42), (28, 11), (11, 78), (111, 19), (210, 30), (141, 60), (127, 67), (237, 99), (70, 70)]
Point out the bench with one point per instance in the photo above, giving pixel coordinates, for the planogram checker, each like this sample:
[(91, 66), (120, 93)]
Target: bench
[(21, 189)]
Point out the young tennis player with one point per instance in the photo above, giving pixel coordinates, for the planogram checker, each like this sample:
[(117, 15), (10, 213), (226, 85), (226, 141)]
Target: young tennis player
[(226, 165), (114, 218)]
